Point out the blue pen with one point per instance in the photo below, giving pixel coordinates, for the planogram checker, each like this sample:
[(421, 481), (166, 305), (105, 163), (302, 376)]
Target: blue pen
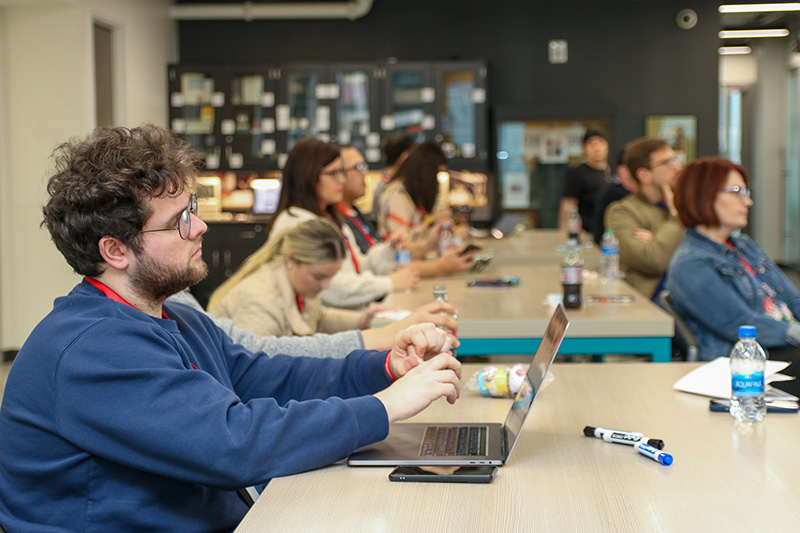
[(653, 453)]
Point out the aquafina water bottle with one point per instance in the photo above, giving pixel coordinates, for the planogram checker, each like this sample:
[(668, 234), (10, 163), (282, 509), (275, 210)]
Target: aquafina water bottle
[(748, 365), (609, 262)]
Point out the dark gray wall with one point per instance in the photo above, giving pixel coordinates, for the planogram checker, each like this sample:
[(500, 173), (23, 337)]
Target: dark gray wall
[(627, 58)]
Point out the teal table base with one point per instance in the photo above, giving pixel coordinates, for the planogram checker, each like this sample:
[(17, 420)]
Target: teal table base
[(659, 348)]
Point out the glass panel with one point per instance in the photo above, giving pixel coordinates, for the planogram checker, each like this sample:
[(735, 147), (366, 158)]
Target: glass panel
[(458, 114), (730, 123), (247, 92), (408, 108), (197, 112), (532, 159), (791, 221), (353, 108), (302, 106)]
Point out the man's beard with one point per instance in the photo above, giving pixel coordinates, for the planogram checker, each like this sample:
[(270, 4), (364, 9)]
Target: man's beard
[(157, 282)]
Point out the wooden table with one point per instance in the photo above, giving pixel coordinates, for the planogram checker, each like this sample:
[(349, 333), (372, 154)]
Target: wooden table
[(511, 321), (540, 246), (724, 478)]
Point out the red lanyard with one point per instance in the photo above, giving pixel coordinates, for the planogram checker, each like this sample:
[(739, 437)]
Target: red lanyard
[(350, 214), (299, 302), (109, 292), (352, 255)]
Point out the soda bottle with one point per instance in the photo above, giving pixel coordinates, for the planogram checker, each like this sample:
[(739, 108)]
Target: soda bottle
[(440, 295), (609, 262), (574, 224), (572, 276), (748, 363), (445, 239)]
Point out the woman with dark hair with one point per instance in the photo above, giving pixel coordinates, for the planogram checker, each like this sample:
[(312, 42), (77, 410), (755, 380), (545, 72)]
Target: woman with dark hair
[(411, 194), (719, 279), (313, 181)]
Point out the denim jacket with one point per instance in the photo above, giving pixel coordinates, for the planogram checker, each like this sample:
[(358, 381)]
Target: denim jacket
[(714, 294)]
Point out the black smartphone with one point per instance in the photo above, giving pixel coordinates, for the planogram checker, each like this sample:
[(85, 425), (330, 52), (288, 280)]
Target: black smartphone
[(444, 474), (772, 407), (470, 248)]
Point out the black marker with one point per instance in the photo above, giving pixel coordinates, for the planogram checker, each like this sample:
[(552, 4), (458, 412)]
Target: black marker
[(622, 437)]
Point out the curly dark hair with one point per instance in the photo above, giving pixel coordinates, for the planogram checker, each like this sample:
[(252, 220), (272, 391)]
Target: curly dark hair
[(419, 172), (101, 185)]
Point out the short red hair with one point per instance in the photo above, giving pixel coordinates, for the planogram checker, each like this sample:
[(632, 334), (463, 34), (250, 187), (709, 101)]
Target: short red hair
[(697, 188)]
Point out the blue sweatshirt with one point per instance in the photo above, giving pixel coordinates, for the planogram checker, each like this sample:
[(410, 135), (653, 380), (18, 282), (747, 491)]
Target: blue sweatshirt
[(113, 420)]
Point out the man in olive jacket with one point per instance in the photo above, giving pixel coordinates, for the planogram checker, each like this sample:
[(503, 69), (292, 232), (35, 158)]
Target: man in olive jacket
[(646, 222)]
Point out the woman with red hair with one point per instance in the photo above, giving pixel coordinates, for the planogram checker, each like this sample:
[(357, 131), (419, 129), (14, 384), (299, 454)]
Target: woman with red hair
[(719, 278)]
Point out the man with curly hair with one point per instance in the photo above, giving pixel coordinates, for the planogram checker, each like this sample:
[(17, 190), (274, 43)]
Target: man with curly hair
[(123, 412)]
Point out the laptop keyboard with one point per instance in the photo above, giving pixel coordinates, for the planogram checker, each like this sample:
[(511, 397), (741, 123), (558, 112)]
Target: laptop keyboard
[(445, 441)]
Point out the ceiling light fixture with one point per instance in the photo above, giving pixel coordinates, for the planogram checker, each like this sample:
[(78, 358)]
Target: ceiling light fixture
[(759, 8), (734, 50), (748, 34)]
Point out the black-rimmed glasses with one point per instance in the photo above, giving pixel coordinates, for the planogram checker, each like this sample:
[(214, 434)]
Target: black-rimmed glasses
[(743, 192), (184, 226)]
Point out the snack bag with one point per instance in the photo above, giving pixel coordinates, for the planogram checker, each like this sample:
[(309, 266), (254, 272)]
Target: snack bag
[(499, 382)]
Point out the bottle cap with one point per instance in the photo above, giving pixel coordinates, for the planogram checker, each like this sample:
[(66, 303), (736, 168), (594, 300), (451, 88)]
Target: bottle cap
[(439, 289), (747, 332)]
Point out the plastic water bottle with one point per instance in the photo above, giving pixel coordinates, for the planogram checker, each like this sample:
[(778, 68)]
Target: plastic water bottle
[(609, 263), (402, 259), (440, 295), (748, 363), (446, 239), (574, 224), (402, 256), (572, 276)]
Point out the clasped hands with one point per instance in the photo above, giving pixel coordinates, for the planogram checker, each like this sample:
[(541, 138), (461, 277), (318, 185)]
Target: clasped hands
[(421, 358)]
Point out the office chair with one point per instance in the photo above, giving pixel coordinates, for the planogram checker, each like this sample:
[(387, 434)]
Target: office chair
[(684, 339)]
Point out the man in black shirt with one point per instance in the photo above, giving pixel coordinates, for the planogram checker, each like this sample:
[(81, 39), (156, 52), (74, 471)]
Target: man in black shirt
[(582, 183)]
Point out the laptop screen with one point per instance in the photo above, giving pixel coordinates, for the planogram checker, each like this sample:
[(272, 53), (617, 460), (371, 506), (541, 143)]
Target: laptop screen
[(545, 354)]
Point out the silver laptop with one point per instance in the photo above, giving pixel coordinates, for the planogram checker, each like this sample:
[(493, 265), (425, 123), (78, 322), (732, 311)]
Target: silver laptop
[(467, 444)]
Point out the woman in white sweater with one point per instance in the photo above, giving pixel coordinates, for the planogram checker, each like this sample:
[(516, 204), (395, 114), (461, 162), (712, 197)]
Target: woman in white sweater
[(313, 181)]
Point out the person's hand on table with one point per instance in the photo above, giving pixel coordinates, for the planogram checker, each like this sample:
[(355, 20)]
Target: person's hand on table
[(366, 318), (453, 262), (441, 313), (405, 278)]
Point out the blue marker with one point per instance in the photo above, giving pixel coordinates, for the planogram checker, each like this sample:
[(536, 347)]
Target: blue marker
[(653, 453)]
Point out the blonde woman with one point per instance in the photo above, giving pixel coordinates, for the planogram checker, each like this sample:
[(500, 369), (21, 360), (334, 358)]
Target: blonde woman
[(276, 290)]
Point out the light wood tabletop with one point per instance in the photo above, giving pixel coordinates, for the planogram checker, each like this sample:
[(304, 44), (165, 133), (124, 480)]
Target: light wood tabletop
[(538, 246), (725, 477)]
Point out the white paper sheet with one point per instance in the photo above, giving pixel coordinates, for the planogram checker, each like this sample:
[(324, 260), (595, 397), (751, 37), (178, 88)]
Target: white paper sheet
[(714, 379)]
